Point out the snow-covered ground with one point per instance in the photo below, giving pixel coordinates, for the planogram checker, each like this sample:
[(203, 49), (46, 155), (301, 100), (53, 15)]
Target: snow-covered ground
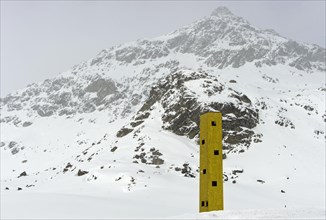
[(68, 206), (162, 192), (75, 165)]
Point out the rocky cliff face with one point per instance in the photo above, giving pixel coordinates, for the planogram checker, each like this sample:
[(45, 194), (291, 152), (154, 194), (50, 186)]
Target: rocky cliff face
[(181, 95)]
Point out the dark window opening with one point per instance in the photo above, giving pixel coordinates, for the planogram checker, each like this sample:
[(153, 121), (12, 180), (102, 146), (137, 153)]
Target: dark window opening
[(206, 203), (202, 141), (216, 152), (213, 123), (202, 203), (204, 171), (214, 183)]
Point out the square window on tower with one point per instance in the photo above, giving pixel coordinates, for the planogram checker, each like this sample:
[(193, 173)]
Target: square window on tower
[(213, 123), (216, 152), (214, 183)]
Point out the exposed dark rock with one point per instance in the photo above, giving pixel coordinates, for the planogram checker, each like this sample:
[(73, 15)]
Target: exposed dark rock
[(225, 178), (270, 79), (12, 144), (81, 172), (22, 174), (14, 150), (124, 131), (237, 171), (114, 149), (142, 115), (135, 99), (96, 60), (233, 138), (145, 50), (27, 123), (177, 169), (44, 112), (136, 123), (282, 121), (62, 99), (245, 99), (152, 157), (185, 170), (88, 107), (68, 166), (66, 112), (308, 108), (157, 161), (102, 87)]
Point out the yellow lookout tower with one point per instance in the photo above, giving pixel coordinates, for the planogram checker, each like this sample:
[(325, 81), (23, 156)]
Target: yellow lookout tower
[(211, 166)]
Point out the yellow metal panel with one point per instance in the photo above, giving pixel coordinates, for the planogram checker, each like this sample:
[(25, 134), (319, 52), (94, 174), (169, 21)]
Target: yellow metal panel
[(211, 162)]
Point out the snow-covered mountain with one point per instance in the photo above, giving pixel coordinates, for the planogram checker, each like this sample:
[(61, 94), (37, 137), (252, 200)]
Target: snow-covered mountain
[(123, 127)]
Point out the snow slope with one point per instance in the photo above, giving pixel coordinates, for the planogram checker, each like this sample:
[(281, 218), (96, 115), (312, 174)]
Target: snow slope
[(119, 132), (62, 206)]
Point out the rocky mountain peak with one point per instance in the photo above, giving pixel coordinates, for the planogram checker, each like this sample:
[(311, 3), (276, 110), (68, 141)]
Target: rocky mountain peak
[(221, 11), (221, 40)]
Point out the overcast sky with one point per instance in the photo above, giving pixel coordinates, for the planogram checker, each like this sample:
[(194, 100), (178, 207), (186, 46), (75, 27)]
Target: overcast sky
[(40, 39)]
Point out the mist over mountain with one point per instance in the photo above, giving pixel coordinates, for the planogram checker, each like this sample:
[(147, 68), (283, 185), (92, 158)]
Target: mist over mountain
[(123, 126)]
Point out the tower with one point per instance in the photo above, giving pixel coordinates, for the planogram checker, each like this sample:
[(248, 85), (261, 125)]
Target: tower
[(211, 165)]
